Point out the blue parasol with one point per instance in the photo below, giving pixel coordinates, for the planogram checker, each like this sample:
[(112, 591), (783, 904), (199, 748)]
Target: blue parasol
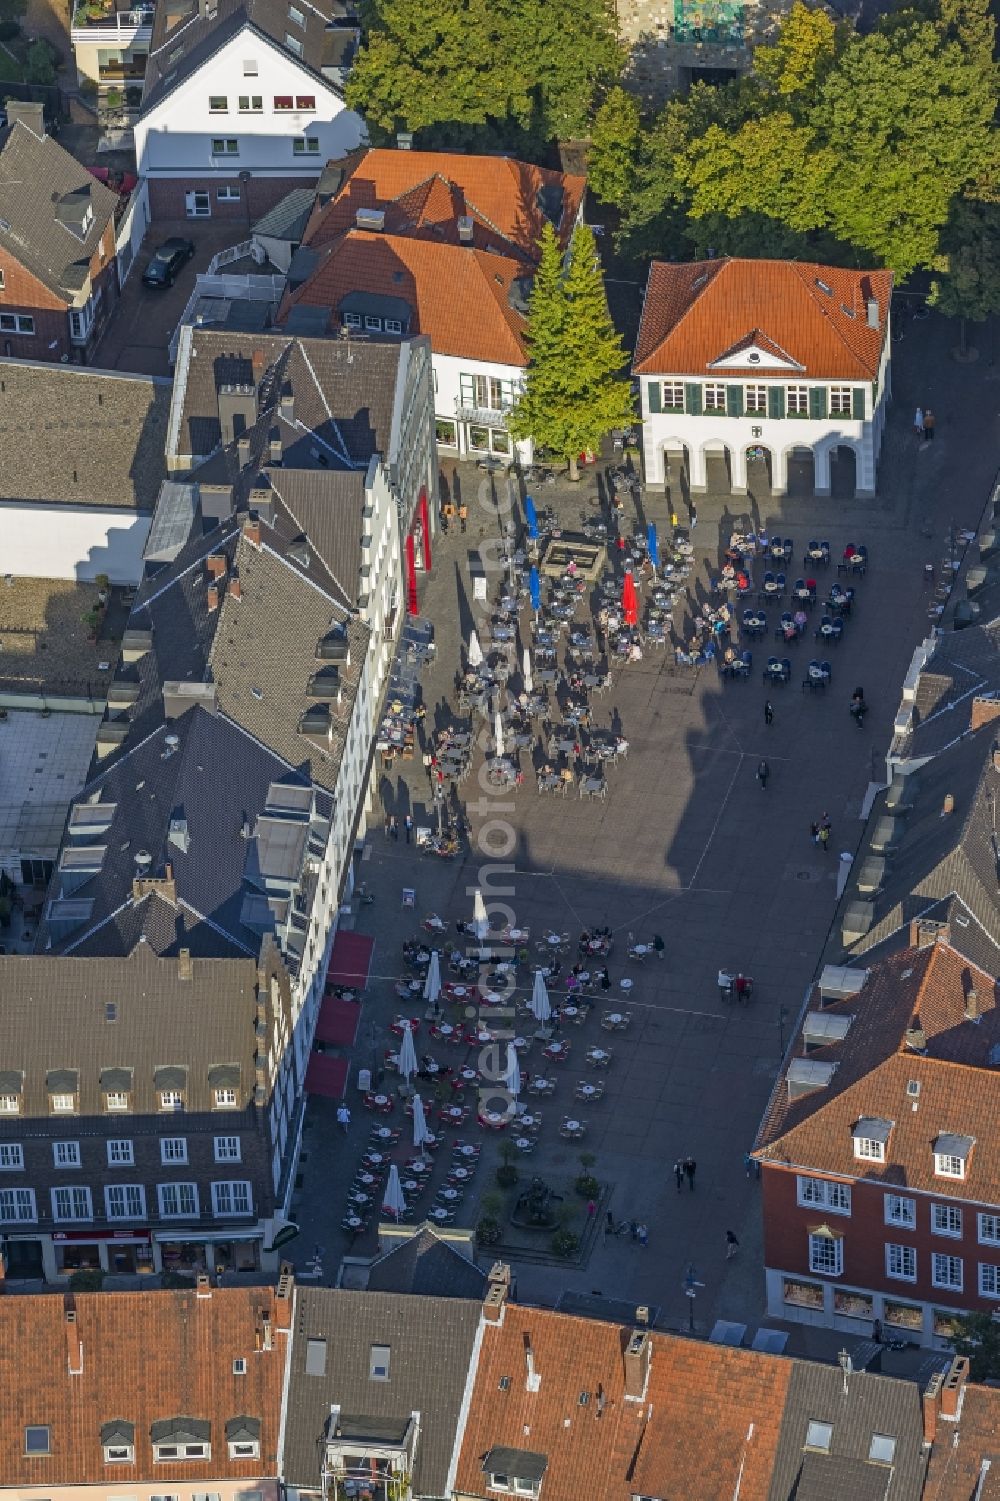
[(535, 585), (652, 545), (531, 516)]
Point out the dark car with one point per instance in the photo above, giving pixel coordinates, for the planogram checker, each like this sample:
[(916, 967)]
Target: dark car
[(166, 261)]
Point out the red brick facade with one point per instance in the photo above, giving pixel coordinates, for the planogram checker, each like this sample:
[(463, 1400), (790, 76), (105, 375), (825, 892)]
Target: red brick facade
[(24, 294), (168, 196)]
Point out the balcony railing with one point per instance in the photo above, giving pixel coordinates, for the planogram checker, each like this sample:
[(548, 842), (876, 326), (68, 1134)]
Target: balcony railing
[(480, 416), (112, 28)]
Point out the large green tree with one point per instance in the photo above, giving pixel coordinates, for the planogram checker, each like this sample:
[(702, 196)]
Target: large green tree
[(978, 1337), (969, 288), (614, 148), (574, 392)]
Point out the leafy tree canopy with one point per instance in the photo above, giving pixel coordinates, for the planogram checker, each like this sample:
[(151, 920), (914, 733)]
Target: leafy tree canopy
[(978, 1337), (614, 144)]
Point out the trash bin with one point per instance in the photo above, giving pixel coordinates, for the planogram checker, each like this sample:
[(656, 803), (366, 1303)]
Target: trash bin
[(364, 1080)]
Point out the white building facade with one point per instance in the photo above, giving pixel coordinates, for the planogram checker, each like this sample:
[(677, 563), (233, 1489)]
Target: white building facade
[(471, 403)]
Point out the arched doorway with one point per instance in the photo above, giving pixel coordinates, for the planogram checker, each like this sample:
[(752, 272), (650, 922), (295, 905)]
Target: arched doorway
[(718, 469), (801, 471), (843, 472), (759, 471), (676, 473)]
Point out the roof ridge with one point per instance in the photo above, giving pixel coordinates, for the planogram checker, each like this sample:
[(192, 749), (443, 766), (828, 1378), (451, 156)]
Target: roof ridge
[(721, 264), (799, 266)]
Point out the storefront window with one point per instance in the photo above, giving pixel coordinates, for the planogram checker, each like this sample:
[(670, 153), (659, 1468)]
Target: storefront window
[(853, 1305), (501, 441), (903, 1315), (946, 1322), (128, 1259), (78, 1256), (479, 439), (184, 1256), (803, 1294), (446, 432), (237, 1255)]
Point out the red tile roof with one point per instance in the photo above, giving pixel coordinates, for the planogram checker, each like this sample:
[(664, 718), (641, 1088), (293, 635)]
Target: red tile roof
[(686, 1436), (146, 1356), (959, 1088), (694, 314), (459, 295), (423, 194), (960, 1449)]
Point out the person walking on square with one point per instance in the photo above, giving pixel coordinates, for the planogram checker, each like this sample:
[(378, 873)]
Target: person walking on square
[(343, 1118), (768, 712), (642, 1234), (763, 772), (408, 826), (690, 1168), (929, 421), (918, 422), (679, 1174), (732, 1245)]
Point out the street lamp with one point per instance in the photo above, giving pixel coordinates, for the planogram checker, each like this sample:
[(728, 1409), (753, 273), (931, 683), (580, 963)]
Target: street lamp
[(245, 189), (691, 1286), (782, 1018)]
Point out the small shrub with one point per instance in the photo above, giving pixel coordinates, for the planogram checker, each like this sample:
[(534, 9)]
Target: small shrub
[(114, 99), (506, 1175), (564, 1243), (39, 66), (89, 1281), (488, 1231), (587, 1186)]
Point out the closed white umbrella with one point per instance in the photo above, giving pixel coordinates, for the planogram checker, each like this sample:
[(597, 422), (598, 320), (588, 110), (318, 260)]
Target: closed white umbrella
[(480, 922), (432, 985), (393, 1201), (475, 651), (526, 671), (498, 734), (407, 1055), (420, 1131), (540, 1008), (513, 1076)]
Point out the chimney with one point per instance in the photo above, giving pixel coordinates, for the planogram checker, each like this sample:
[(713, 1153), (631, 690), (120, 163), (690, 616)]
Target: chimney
[(983, 711), (497, 1290), (287, 406), (203, 1285), (404, 140), (185, 965), (873, 312), (638, 1354), (235, 588), (953, 1390), (275, 445), (932, 1406), (257, 366), (532, 1381), (30, 114), (915, 1039), (216, 565), (924, 933), (74, 1344), (252, 532), (243, 451), (266, 1332), (948, 806), (284, 1297), (972, 1007), (466, 229), (213, 596)]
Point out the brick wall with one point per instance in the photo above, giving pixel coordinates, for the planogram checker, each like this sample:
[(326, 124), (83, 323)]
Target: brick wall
[(167, 196), (984, 710), (24, 293)]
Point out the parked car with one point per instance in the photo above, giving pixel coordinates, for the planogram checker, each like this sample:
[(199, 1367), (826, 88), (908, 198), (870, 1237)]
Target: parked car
[(166, 261)]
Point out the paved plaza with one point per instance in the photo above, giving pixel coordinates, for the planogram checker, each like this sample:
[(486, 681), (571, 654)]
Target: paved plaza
[(687, 845)]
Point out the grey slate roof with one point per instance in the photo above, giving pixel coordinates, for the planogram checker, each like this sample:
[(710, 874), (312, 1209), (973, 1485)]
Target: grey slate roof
[(288, 219), (428, 1266), (431, 1343), (329, 509), (43, 193), (964, 665), (183, 39), (81, 437), (873, 1404)]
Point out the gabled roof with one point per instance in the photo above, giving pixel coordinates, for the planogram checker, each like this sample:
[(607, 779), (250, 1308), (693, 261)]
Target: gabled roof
[(945, 1066), (427, 1265), (458, 295), (964, 665), (44, 194), (431, 1343), (965, 1460), (148, 1357), (424, 193), (288, 218), (815, 315), (187, 34)]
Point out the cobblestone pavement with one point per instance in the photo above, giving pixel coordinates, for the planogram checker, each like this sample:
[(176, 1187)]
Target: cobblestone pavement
[(689, 846)]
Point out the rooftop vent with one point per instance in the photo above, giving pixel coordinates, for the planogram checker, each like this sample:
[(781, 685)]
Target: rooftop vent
[(873, 312), (915, 1037), (299, 553), (370, 218)]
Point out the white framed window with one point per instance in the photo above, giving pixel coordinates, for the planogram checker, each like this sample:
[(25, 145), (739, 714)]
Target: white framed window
[(125, 1201), (901, 1262), (231, 1198), (840, 401), (946, 1165), (11, 1156), (66, 1154), (249, 67), (225, 146), (882, 1449), (17, 1206), (168, 1452), (989, 1229), (227, 1149), (819, 1435), (251, 104), (171, 1099), (119, 1454), (946, 1219), (240, 1366), (62, 1104), (797, 401), (121, 1153), (173, 1149), (352, 320), (177, 1200), (673, 396), (228, 193), (294, 44), (900, 1210), (372, 323), (81, 319), (822, 1193), (244, 1449), (116, 1101), (305, 145), (16, 323), (989, 1280), (946, 1271), (826, 1255), (715, 398), (756, 399), (868, 1149), (70, 1204), (218, 104), (10, 1104), (393, 326), (3, 281), (296, 16), (225, 1099)]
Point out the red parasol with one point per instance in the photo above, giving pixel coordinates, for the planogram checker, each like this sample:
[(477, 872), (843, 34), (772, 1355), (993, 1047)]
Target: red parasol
[(630, 601)]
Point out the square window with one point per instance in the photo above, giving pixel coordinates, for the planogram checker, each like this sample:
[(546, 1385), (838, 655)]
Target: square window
[(868, 1149), (946, 1271), (231, 1199), (11, 1156), (989, 1280), (125, 1201), (352, 320), (305, 146), (373, 324), (820, 1191), (989, 1229), (946, 1165), (819, 1435), (116, 1101), (305, 101), (173, 1149), (225, 1099), (66, 1153), (249, 67), (283, 102), (63, 1104), (715, 398), (71, 1204), (826, 1254), (228, 194), (946, 1219), (251, 104), (393, 326), (10, 1104), (177, 1200), (901, 1262), (900, 1211), (673, 396), (218, 104), (17, 1206), (882, 1450), (227, 1149), (120, 1152), (171, 1099), (36, 1439)]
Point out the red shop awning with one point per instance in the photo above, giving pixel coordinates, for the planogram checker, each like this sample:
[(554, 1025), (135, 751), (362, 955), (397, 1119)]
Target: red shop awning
[(337, 1022), (351, 960), (326, 1076)]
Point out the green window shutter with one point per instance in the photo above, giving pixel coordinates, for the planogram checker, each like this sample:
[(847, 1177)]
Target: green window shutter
[(655, 392), (858, 403), (817, 401), (734, 401), (692, 399), (775, 401)]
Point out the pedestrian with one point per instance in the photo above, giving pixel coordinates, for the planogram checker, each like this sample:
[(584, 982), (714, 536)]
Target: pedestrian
[(394, 827), (918, 422), (929, 421), (674, 521), (732, 1245), (824, 836), (763, 772), (408, 826), (877, 1331), (609, 1223), (343, 1118), (690, 1168), (463, 515), (659, 947), (642, 1234), (591, 1209), (605, 979), (814, 832), (768, 712), (725, 985), (679, 1174), (694, 514), (634, 1229), (748, 1163)]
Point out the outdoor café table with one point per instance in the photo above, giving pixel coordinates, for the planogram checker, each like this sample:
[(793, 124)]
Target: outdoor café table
[(466, 1150), (586, 1091), (443, 1029), (449, 1195), (483, 1036), (431, 1142), (453, 1113), (599, 1057), (614, 1019), (380, 1101), (571, 1012), (411, 1186), (461, 1174), (417, 1165), (383, 1133), (550, 783), (572, 1128), (353, 1222), (515, 934), (524, 1143), (529, 1122), (374, 1159), (493, 1120), (519, 1044), (357, 1197), (556, 1050), (467, 1076), (493, 998), (539, 1085), (440, 1214), (828, 628), (366, 1180), (458, 992)]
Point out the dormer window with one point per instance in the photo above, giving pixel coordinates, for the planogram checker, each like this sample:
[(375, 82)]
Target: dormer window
[(224, 1082), (63, 1088), (170, 1083), (515, 1472), (179, 1439), (951, 1155), (243, 1438), (118, 1442), (870, 1138)]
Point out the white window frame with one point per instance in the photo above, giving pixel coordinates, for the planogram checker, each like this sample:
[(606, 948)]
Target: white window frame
[(66, 1154), (393, 326), (120, 1152), (943, 1262), (907, 1218), (165, 1192), (10, 1104), (228, 1149), (225, 1099), (62, 1104), (672, 395), (173, 1151), (867, 1149), (947, 1165), (17, 1206), (224, 1193), (717, 392), (899, 1256), (988, 1228), (946, 1219), (221, 105), (294, 44), (797, 401), (373, 324), (826, 1244), (119, 1454), (171, 1099), (11, 1157), (755, 400), (116, 1102), (824, 1193), (841, 403), (80, 1204), (305, 145), (81, 319), (135, 1191), (254, 104), (244, 1449), (227, 146), (17, 323), (168, 1453), (989, 1280)]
